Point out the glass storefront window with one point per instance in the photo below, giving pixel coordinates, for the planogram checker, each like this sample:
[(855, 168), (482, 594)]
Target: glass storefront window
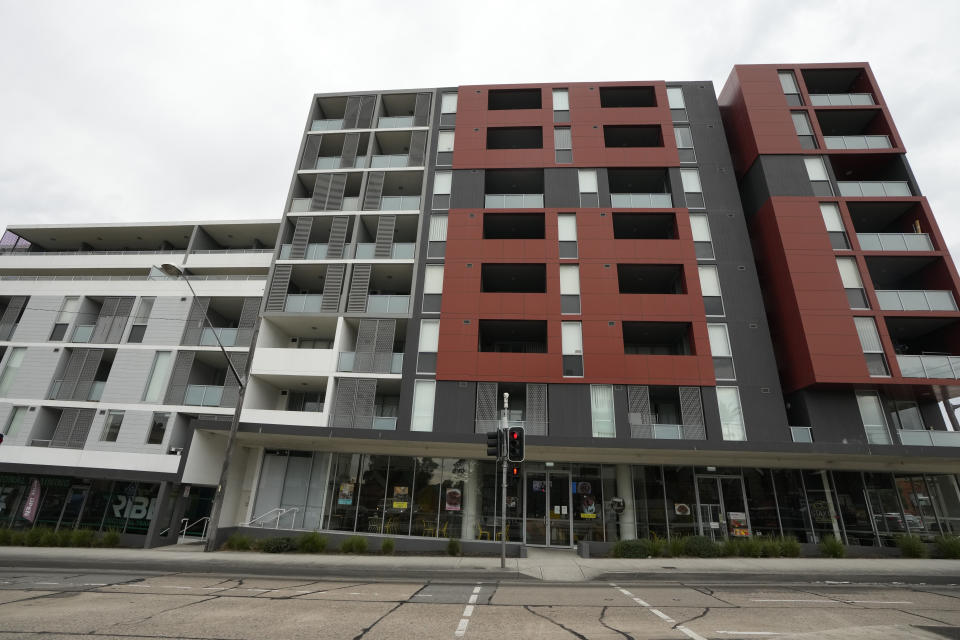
[(587, 506), (611, 519), (316, 492), (53, 497), (294, 495), (344, 491), (761, 502), (794, 515), (650, 505), (921, 518), (462, 504), (12, 490), (399, 496), (946, 499), (853, 509), (681, 501), (426, 496), (823, 507), (373, 487), (884, 506)]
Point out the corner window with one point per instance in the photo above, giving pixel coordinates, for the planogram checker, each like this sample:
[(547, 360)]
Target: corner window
[(692, 190), (834, 223), (710, 289), (788, 83), (819, 179), (678, 107), (721, 352), (702, 240), (872, 347), (801, 123), (442, 181), (852, 284)]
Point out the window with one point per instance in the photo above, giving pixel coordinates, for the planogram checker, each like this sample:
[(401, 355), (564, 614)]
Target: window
[(702, 240), (563, 145), (678, 108), (710, 289), (424, 397), (801, 123), (445, 141), (834, 223), (561, 105), (871, 414), (571, 338), (684, 139), (817, 172), (17, 416), (690, 178), (111, 427), (140, 319), (158, 427), (569, 288), (158, 377), (68, 311), (313, 343), (601, 411), (789, 85), (872, 347), (850, 276), (731, 414), (437, 246), (432, 287), (448, 103), (428, 346), (441, 189), (721, 352), (588, 188), (567, 234), (14, 361)]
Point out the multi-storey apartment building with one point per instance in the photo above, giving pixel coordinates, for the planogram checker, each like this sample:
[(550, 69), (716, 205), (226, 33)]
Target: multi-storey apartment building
[(701, 326)]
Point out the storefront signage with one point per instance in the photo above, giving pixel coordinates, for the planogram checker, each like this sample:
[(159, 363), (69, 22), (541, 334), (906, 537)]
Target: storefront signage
[(453, 500), (346, 493), (134, 507), (33, 499), (401, 497), (681, 509)]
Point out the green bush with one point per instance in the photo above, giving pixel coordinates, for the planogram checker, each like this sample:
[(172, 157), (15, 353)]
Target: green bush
[(279, 545), (81, 538), (35, 537), (387, 546), (947, 547), (5, 536), (453, 547), (237, 542), (700, 547), (110, 539), (657, 545), (830, 547), (730, 548), (354, 544), (911, 546), (675, 548), (789, 547), (632, 549), (769, 547), (17, 538), (311, 543)]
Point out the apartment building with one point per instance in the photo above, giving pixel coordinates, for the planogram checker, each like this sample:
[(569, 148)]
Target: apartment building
[(726, 318)]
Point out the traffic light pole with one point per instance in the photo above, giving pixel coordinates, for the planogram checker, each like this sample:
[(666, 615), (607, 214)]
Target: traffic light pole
[(504, 424)]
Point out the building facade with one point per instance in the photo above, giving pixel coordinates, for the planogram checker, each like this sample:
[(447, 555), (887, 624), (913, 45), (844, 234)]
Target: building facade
[(725, 317)]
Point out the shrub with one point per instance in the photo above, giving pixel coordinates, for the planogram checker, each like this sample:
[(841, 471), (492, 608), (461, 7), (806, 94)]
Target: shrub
[(387, 546), (17, 538), (830, 547), (911, 546), (49, 538), (35, 537), (675, 548), (110, 539), (789, 547), (768, 547), (354, 544), (700, 547), (657, 545), (81, 538), (730, 548), (947, 547), (237, 542), (63, 538), (279, 545), (631, 549), (5, 536), (312, 543), (453, 547)]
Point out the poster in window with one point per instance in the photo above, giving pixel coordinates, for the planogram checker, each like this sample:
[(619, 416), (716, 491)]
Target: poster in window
[(401, 497), (33, 498), (453, 500), (588, 505), (346, 493)]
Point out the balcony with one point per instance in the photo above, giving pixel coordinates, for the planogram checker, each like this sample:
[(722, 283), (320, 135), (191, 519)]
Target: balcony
[(394, 122), (390, 161), (513, 201), (929, 366), (302, 205), (334, 162), (385, 423), (857, 142), (874, 188), (96, 390), (315, 251), (227, 336), (896, 300), (203, 395), (641, 200), (400, 203), (330, 124), (841, 99), (513, 189), (894, 242), (346, 360), (920, 438), (530, 428), (303, 303), (801, 434), (82, 333), (663, 431), (398, 251), (388, 303)]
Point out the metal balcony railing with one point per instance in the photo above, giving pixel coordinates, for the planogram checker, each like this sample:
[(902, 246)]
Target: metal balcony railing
[(302, 205), (530, 427), (316, 251), (857, 142), (385, 423), (399, 250), (346, 362), (388, 304), (203, 395), (895, 242), (331, 124), (513, 201), (633, 200), (801, 434), (399, 203), (929, 438), (648, 431), (392, 161), (874, 188), (929, 366), (303, 302), (31, 252), (841, 99), (394, 122), (894, 300), (227, 335)]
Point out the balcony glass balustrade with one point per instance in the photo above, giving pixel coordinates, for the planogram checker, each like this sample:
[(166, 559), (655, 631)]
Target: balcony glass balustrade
[(227, 335), (801, 434), (394, 122), (641, 200), (316, 251), (390, 161), (874, 188), (332, 124), (203, 395), (336, 162), (893, 300), (399, 203), (388, 303), (82, 333), (346, 362), (857, 142), (841, 99), (895, 242), (513, 201), (929, 366), (385, 423), (302, 205), (645, 430), (96, 390), (303, 302), (920, 438), (399, 250)]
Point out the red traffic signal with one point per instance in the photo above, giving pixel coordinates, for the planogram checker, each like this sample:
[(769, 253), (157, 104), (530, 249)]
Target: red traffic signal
[(515, 440)]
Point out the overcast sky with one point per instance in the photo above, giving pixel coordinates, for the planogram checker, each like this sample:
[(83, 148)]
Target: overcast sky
[(124, 111)]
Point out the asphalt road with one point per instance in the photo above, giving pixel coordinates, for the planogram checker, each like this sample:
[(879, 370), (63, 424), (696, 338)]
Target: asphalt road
[(72, 605)]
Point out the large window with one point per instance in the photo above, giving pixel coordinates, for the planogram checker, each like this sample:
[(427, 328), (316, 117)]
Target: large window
[(68, 311), (692, 189), (601, 411), (442, 183), (111, 427), (571, 338), (872, 347), (158, 377), (852, 284), (731, 414), (17, 416), (721, 352), (834, 223), (158, 427), (702, 239), (140, 318), (424, 393), (871, 414), (710, 289), (819, 179), (9, 374)]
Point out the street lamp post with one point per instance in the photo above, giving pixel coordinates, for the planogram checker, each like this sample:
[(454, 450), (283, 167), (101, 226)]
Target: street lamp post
[(217, 507)]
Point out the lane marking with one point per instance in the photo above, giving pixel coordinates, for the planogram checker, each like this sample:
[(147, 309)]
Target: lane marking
[(787, 600), (47, 583), (462, 627), (751, 633), (476, 589), (877, 602), (467, 612), (473, 599), (662, 616), (423, 595), (641, 602), (94, 584), (690, 633)]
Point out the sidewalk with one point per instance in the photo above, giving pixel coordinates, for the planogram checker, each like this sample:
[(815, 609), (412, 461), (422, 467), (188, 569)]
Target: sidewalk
[(542, 565)]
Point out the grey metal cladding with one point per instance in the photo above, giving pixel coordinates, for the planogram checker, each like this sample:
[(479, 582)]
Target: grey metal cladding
[(374, 190), (248, 320), (366, 339), (365, 403), (536, 421), (119, 322), (359, 288), (418, 149), (348, 155), (638, 407), (421, 112), (87, 374), (311, 149), (78, 368), (61, 433), (338, 236), (301, 236), (561, 187), (383, 346), (486, 407), (231, 386), (277, 293), (338, 184), (196, 320), (177, 387), (365, 114), (332, 288), (691, 412), (321, 188), (10, 314), (105, 320), (81, 428), (351, 112), (346, 392), (384, 241)]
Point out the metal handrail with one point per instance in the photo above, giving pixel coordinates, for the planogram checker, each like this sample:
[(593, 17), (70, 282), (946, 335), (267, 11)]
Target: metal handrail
[(203, 533), (146, 277), (118, 252), (280, 511)]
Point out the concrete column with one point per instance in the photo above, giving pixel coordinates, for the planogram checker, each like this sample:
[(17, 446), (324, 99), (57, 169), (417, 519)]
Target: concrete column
[(470, 501), (161, 517), (628, 519)]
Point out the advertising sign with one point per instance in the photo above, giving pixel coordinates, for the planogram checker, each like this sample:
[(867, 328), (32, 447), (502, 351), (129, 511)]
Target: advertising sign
[(453, 500), (32, 502), (401, 497), (346, 493)]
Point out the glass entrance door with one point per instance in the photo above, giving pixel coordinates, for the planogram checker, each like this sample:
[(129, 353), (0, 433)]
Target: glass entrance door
[(722, 507), (549, 517), (558, 488)]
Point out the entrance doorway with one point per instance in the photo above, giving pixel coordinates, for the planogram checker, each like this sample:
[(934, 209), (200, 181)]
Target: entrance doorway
[(549, 519), (722, 507)]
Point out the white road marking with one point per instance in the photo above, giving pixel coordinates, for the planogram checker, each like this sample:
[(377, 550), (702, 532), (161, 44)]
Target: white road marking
[(473, 599), (662, 615), (476, 589), (462, 627), (641, 602), (46, 583), (423, 595), (139, 586), (468, 611), (179, 587), (690, 633), (786, 600), (751, 633), (877, 602), (94, 584)]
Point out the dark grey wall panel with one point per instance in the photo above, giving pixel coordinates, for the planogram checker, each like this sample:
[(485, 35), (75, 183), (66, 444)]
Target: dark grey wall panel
[(569, 409), (455, 408), (561, 188), (467, 189)]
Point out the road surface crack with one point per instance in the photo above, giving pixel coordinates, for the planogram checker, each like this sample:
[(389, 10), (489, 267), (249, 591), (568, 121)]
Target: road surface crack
[(603, 612), (706, 610), (552, 621), (153, 615), (366, 629)]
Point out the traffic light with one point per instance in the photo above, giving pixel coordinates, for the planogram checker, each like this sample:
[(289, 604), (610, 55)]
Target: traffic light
[(495, 444), (515, 471), (515, 444)]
